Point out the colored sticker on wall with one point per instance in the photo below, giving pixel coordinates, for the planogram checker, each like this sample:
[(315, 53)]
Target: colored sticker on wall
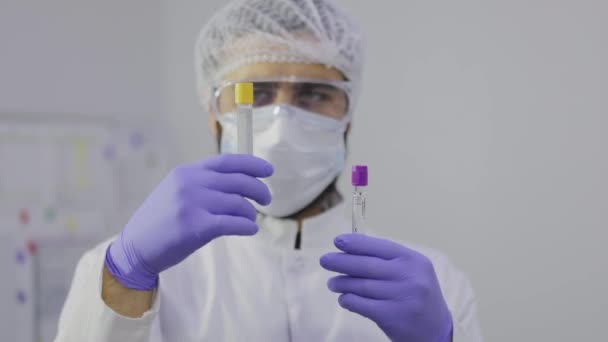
[(20, 257), (31, 247), (136, 140), (81, 157), (24, 216), (109, 152), (70, 225), (50, 214), (21, 297)]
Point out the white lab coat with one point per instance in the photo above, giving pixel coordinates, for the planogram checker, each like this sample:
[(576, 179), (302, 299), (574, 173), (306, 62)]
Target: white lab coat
[(249, 289)]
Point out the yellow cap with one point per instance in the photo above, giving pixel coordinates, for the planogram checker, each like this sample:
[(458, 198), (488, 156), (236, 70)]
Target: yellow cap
[(243, 93)]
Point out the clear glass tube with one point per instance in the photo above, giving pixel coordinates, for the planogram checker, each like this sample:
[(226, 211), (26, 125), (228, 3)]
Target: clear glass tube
[(244, 122), (358, 210)]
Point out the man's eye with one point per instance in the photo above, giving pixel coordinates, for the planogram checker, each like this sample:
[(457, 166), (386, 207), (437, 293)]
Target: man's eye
[(312, 95), (262, 97)]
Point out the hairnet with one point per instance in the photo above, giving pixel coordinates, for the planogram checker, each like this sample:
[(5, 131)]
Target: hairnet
[(277, 31)]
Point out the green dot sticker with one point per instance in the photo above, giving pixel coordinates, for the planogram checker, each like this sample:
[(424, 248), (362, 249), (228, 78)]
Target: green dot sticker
[(50, 214)]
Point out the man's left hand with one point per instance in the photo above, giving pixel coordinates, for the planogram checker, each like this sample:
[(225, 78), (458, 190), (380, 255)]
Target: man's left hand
[(390, 284)]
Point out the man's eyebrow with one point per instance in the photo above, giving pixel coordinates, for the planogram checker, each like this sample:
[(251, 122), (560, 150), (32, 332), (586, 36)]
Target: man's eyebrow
[(265, 84), (319, 85)]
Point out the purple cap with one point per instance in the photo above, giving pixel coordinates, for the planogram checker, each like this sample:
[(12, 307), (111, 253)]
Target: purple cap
[(359, 175)]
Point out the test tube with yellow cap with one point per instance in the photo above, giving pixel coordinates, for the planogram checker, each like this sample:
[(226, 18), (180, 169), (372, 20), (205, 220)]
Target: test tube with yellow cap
[(244, 120)]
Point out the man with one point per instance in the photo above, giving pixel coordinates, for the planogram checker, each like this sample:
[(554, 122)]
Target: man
[(168, 276)]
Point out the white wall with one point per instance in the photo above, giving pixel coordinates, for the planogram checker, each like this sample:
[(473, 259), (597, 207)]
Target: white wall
[(490, 118), (184, 20), (88, 58), (85, 58), (81, 57)]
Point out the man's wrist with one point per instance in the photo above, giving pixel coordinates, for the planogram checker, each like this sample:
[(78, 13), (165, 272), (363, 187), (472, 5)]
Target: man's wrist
[(131, 281), (124, 301)]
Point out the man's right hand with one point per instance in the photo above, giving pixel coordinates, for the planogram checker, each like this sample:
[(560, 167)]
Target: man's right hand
[(193, 205)]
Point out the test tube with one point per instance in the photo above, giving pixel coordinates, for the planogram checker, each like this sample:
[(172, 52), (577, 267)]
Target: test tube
[(359, 181), (244, 108)]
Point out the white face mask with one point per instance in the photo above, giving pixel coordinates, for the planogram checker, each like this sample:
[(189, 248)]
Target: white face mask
[(306, 149)]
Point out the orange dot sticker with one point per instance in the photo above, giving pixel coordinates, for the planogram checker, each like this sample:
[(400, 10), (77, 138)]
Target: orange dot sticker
[(31, 247), (24, 216)]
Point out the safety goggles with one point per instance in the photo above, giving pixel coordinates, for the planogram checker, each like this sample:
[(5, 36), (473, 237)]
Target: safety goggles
[(330, 99)]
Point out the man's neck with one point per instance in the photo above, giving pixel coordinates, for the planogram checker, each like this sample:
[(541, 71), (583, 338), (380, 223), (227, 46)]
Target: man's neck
[(329, 198)]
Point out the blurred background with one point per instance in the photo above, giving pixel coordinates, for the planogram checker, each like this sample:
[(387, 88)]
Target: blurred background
[(483, 124)]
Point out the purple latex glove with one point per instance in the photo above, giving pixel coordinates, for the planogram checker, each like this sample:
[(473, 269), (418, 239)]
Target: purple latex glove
[(193, 205), (392, 285)]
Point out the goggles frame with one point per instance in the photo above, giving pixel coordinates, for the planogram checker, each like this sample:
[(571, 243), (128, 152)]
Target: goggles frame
[(345, 86)]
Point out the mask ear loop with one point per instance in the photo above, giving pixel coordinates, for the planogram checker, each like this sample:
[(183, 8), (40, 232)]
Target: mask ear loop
[(348, 117), (215, 99), (213, 107), (345, 121)]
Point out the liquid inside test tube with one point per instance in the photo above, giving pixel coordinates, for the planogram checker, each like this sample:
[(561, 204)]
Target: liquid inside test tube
[(244, 129), (359, 182), (244, 117)]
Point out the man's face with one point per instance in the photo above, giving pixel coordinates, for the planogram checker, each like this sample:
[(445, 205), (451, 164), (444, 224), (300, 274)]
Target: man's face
[(283, 94)]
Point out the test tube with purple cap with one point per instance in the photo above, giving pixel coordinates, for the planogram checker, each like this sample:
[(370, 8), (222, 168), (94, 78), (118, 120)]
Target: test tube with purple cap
[(359, 181)]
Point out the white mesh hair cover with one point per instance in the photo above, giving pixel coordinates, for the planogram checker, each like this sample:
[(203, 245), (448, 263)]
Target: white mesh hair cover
[(277, 31)]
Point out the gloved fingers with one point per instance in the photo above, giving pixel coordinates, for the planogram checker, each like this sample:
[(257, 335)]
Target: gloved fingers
[(239, 184), (358, 265), (362, 244), (365, 307), (364, 287), (220, 225), (220, 203), (239, 163)]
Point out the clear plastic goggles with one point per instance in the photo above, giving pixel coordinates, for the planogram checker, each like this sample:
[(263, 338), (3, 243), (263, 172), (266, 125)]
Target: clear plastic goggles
[(328, 98)]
